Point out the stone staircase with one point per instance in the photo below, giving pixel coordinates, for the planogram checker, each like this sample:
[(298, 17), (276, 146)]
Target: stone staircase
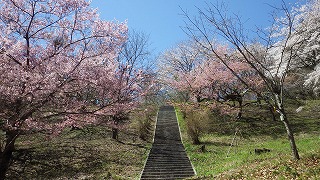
[(167, 158)]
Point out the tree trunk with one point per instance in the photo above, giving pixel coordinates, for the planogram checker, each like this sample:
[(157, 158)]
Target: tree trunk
[(271, 109), (293, 145), (6, 155), (198, 99), (115, 128), (115, 133), (284, 119), (195, 140), (239, 116)]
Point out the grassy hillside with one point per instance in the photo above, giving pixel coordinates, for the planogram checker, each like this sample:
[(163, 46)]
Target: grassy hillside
[(257, 130), (89, 153)]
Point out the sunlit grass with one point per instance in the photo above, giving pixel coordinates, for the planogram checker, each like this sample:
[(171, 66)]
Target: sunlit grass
[(223, 161)]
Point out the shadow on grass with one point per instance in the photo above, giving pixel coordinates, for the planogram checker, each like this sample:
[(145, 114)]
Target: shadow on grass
[(259, 122), (89, 154), (133, 144), (55, 163)]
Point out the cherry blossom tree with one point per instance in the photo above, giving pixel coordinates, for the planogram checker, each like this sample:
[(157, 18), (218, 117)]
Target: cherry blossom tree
[(133, 78), (58, 68), (208, 78), (227, 85), (214, 21), (125, 96), (178, 61), (302, 55)]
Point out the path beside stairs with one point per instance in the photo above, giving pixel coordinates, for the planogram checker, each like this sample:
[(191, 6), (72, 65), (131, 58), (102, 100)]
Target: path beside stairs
[(167, 158)]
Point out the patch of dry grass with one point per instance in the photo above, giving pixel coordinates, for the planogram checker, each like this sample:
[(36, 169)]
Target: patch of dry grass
[(89, 153)]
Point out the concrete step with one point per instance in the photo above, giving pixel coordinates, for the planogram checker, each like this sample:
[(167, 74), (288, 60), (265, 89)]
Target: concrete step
[(167, 176), (167, 172), (167, 158), (154, 168), (164, 165)]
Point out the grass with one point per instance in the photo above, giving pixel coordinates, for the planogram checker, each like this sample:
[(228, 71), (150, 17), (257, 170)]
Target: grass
[(90, 153), (257, 130), (79, 154)]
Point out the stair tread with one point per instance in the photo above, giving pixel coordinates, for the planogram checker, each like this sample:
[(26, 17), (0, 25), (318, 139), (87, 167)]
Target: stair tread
[(167, 158)]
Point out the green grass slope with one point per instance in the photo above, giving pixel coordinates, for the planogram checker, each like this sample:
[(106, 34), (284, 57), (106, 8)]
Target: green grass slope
[(257, 130)]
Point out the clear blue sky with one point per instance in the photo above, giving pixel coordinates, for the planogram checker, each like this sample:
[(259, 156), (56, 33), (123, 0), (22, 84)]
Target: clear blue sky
[(162, 19)]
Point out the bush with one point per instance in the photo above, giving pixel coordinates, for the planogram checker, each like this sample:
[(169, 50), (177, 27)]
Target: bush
[(197, 122), (144, 121)]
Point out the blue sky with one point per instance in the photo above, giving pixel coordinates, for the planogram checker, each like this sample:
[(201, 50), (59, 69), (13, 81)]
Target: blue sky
[(162, 19)]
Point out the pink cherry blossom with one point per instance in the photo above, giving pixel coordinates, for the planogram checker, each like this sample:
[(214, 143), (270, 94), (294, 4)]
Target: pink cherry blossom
[(59, 68)]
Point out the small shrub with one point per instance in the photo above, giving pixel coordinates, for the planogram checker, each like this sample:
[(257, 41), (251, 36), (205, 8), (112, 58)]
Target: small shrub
[(197, 123), (144, 120)]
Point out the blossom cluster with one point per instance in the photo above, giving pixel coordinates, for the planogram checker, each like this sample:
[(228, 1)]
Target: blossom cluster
[(58, 65)]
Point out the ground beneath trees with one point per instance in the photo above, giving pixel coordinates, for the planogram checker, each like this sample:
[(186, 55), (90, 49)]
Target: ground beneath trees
[(89, 153)]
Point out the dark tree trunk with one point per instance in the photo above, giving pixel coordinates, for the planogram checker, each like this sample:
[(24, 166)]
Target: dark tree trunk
[(240, 108), (271, 109), (115, 130), (198, 99), (115, 133), (6, 155), (195, 140)]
